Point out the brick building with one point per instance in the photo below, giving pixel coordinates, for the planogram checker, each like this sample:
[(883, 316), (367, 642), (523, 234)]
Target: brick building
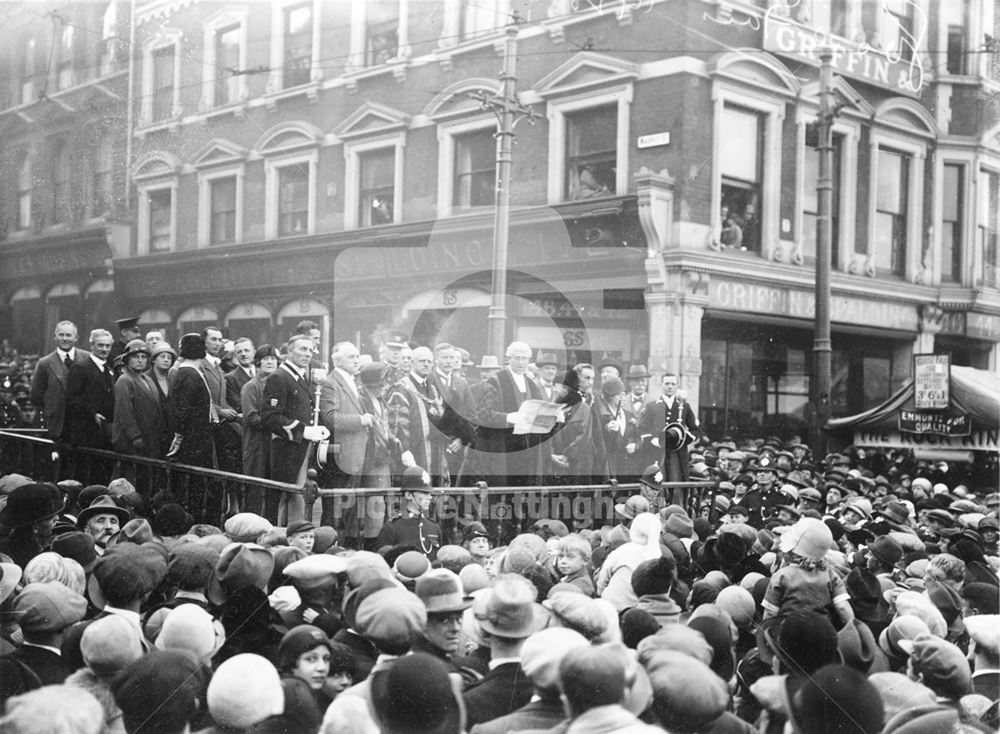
[(324, 160)]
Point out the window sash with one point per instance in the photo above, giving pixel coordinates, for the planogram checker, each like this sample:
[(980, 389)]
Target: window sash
[(293, 199), (64, 67), (163, 83), (25, 188), (160, 225), (227, 56), (953, 198), (475, 169), (592, 152), (741, 146), (222, 223), (741, 202), (377, 187), (298, 45), (810, 201), (891, 211)]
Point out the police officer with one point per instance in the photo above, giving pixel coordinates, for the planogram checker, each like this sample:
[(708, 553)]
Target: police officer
[(413, 527)]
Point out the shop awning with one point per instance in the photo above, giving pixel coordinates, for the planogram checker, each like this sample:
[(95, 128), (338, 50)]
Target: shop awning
[(971, 422)]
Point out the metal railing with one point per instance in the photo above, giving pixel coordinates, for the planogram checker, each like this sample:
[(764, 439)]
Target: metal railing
[(504, 510)]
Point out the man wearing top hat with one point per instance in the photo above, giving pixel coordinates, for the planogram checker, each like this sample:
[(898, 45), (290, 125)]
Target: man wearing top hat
[(413, 527), (48, 383)]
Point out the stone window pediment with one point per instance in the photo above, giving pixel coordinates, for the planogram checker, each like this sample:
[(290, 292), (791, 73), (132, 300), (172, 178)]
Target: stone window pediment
[(289, 138), (454, 101), (584, 71), (219, 152), (156, 165), (371, 119)]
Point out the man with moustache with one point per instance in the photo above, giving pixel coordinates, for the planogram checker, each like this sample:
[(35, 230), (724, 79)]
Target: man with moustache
[(243, 354), (548, 368), (459, 404), (102, 520), (48, 384)]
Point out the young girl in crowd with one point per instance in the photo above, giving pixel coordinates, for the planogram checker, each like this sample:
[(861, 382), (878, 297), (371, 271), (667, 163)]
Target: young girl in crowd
[(805, 583)]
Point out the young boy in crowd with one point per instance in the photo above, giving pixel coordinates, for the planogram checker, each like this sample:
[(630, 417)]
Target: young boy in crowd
[(301, 534), (573, 563)]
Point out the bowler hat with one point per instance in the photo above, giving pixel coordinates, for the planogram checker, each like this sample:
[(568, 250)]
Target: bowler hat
[(31, 503), (547, 358), (102, 506)]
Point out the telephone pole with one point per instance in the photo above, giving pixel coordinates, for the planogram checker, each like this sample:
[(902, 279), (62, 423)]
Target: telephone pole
[(509, 111), (824, 193)]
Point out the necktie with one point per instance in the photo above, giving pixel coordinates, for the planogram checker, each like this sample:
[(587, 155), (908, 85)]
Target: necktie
[(68, 361)]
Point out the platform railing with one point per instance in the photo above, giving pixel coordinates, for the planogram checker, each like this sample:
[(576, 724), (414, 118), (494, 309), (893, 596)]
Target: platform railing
[(504, 510)]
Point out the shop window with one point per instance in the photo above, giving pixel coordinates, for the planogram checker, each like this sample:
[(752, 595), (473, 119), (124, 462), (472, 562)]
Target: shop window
[(741, 165), (160, 208), (861, 377), (222, 195), (377, 189), (989, 229), (891, 211), (60, 183), (293, 200), (475, 169), (953, 207), (381, 31), (25, 188), (227, 61), (810, 201), (591, 152), (163, 83), (64, 66), (298, 40)]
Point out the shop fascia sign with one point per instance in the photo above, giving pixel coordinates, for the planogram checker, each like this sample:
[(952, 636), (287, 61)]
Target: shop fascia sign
[(918, 421), (975, 441), (860, 61)]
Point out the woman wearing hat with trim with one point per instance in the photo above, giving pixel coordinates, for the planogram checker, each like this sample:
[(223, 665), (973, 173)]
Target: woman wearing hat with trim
[(256, 438), (138, 426), (161, 358)]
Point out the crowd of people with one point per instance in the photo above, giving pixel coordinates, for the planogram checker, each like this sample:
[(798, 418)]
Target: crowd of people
[(853, 592)]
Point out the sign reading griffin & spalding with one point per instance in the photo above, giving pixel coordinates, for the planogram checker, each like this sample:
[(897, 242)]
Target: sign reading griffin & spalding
[(915, 421), (899, 70)]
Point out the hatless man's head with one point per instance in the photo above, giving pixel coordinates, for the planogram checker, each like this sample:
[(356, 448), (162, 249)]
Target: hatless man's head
[(66, 335), (213, 340)]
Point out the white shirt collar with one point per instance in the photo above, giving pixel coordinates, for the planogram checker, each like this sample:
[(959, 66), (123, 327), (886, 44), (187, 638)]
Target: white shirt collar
[(214, 361), (56, 650), (497, 662), (249, 370), (295, 371), (71, 353), (519, 380), (99, 362), (126, 613)]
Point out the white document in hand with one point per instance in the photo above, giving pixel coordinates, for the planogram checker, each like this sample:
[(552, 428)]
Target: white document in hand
[(536, 416)]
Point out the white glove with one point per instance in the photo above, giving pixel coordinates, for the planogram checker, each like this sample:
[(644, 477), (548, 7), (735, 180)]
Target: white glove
[(316, 433), (656, 441), (513, 418), (630, 448), (407, 458)]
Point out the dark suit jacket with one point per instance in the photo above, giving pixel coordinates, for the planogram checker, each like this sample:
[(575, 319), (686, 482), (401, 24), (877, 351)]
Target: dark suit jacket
[(138, 414), (655, 417), (48, 389), (89, 391), (47, 665), (287, 410), (340, 411), (504, 690), (235, 381), (540, 714)]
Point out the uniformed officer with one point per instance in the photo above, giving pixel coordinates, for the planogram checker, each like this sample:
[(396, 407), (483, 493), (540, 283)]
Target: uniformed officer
[(764, 497), (413, 527)]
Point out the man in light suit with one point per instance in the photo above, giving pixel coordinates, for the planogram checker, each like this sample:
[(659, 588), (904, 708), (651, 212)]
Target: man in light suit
[(287, 415), (341, 412), (48, 384)]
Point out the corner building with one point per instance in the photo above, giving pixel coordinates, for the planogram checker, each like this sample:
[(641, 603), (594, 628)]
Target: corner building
[(325, 160)]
